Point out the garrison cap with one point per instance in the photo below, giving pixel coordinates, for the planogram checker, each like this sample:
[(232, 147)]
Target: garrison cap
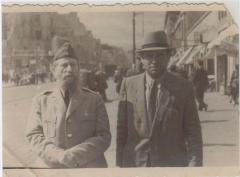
[(62, 48)]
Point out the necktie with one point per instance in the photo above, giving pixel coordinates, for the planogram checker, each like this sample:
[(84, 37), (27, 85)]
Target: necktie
[(66, 97), (152, 101)]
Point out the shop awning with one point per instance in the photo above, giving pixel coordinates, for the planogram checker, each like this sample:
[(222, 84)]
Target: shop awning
[(184, 57), (174, 59), (230, 31), (193, 53)]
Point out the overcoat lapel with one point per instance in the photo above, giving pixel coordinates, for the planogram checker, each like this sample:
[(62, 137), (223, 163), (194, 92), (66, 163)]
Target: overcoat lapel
[(164, 99)]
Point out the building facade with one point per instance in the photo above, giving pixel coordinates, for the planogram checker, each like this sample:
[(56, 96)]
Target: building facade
[(27, 41), (210, 36)]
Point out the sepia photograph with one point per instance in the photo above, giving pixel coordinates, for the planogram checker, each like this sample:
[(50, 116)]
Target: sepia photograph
[(119, 88)]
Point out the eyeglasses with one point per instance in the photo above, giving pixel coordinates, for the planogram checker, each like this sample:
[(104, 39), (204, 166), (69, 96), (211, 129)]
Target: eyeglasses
[(153, 55)]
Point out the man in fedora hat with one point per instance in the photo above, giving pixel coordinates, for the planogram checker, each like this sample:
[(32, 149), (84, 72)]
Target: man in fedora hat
[(158, 123), (68, 126)]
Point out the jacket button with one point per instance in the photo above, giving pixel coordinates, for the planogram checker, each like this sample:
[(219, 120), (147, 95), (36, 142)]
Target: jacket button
[(69, 135)]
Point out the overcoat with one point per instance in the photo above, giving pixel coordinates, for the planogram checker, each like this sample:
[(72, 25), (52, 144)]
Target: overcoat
[(82, 127), (173, 138)]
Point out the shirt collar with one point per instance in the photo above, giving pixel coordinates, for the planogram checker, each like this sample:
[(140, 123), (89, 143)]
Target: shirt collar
[(149, 80)]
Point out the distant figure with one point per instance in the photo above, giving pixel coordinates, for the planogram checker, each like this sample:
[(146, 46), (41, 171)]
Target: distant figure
[(200, 81), (173, 68), (178, 71), (234, 84), (91, 81), (131, 71), (183, 73), (136, 69), (101, 82), (118, 77)]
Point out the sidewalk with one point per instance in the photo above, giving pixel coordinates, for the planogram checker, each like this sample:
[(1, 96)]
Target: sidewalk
[(220, 129)]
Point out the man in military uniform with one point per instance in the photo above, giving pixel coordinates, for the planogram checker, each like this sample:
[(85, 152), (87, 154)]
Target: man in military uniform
[(158, 123), (68, 126)]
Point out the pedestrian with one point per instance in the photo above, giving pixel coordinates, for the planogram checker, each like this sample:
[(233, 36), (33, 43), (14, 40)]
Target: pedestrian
[(137, 68), (173, 69), (158, 123), (101, 82), (118, 77), (131, 71), (234, 84), (91, 81), (68, 126), (182, 72), (200, 81)]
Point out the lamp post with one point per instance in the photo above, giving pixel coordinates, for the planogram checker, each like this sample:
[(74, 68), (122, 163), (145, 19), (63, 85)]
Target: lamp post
[(37, 65), (134, 32), (134, 40)]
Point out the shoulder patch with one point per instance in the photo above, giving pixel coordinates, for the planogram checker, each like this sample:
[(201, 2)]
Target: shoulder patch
[(89, 90), (47, 92)]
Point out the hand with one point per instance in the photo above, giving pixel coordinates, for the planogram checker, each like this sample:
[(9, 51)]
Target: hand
[(68, 159)]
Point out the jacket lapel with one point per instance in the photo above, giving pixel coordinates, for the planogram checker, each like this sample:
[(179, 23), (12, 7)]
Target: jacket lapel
[(75, 101), (141, 101), (58, 103)]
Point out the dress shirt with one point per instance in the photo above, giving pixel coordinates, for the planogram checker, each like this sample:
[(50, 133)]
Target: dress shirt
[(148, 85)]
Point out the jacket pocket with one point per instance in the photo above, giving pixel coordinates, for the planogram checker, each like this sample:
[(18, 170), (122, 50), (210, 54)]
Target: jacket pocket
[(50, 128)]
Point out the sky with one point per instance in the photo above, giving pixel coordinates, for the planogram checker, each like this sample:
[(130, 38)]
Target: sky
[(116, 28)]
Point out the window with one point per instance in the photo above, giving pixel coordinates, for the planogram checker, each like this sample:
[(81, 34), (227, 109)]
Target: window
[(38, 34), (37, 19), (210, 68), (4, 32)]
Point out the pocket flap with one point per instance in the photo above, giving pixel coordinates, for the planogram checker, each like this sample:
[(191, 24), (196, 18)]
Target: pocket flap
[(51, 120)]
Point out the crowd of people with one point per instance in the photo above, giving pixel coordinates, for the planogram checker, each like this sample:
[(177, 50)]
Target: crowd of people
[(25, 78)]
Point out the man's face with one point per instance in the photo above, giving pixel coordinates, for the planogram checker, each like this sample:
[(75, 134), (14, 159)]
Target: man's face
[(66, 71), (155, 62)]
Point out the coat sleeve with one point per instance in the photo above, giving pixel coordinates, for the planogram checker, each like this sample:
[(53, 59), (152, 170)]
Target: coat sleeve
[(35, 136), (192, 130), (95, 146), (122, 124)]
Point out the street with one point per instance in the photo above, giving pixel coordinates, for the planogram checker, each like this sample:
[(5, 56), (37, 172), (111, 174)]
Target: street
[(219, 127)]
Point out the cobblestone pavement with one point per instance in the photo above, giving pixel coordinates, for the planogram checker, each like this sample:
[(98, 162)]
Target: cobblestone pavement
[(219, 127)]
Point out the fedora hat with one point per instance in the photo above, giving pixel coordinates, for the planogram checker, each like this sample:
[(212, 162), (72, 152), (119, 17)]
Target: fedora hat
[(154, 41), (62, 48)]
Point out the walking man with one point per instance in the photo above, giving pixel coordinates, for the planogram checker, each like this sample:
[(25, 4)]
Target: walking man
[(101, 82), (158, 123), (234, 84), (68, 126), (200, 81)]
